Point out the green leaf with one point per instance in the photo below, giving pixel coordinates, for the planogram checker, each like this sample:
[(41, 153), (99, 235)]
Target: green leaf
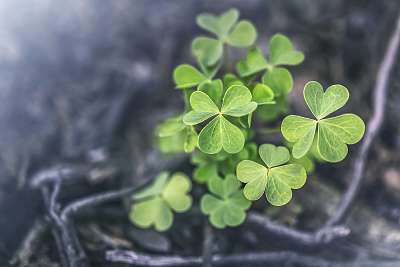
[(230, 79), (186, 76), (191, 140), (206, 172), (219, 25), (244, 34), (255, 177), (276, 179), (269, 113), (154, 204), (263, 94), (170, 127), (232, 137), (282, 53), (281, 181), (300, 131), (220, 133), (152, 212), (203, 108), (207, 50), (227, 205), (273, 155), (333, 134), (210, 137), (154, 189), (176, 191), (213, 89), (237, 101), (253, 63), (322, 104), (279, 80), (200, 101)]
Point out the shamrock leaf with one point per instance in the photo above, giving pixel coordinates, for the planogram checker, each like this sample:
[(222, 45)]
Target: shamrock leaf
[(275, 178), (226, 206), (263, 94), (186, 76), (154, 204), (280, 53), (220, 133), (331, 135), (207, 166), (227, 30), (175, 136)]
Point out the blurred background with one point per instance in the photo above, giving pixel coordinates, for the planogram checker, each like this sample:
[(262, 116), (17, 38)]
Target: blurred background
[(87, 81)]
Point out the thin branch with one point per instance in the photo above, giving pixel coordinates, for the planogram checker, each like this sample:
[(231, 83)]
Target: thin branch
[(240, 259), (69, 248), (373, 127), (99, 198), (322, 236), (28, 245)]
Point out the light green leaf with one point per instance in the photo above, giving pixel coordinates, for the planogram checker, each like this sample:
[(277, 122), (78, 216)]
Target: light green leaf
[(230, 79), (230, 185), (281, 181), (255, 177), (244, 34), (200, 101), (170, 127), (263, 94), (210, 137), (282, 53), (237, 101), (154, 189), (227, 20), (213, 89), (273, 155), (322, 104), (232, 136), (196, 117), (334, 133), (227, 205), (152, 212), (186, 76), (206, 172), (276, 180), (153, 204), (300, 131), (191, 140), (176, 191), (219, 25), (203, 108), (209, 204), (349, 128), (253, 63), (207, 50), (279, 80)]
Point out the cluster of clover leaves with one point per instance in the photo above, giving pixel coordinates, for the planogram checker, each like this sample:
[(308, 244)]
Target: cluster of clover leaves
[(216, 129)]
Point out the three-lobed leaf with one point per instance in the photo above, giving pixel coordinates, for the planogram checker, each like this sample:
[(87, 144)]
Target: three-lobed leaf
[(331, 135), (226, 206), (220, 133), (281, 51), (227, 29), (154, 204), (275, 178), (186, 76)]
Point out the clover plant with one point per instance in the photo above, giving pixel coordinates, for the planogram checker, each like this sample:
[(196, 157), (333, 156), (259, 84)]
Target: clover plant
[(216, 129)]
